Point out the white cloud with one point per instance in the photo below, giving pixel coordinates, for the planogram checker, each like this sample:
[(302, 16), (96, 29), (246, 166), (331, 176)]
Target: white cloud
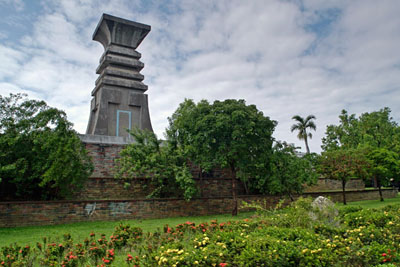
[(17, 4), (256, 50), (10, 61)]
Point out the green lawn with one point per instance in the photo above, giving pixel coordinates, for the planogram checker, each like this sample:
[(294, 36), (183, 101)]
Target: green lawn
[(373, 203), (79, 231)]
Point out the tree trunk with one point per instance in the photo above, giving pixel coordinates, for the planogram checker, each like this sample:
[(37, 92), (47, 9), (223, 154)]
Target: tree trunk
[(344, 191), (290, 196), (201, 181), (234, 197), (246, 188), (307, 148), (380, 190)]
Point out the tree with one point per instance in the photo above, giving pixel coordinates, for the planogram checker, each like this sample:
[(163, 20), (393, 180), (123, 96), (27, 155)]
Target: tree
[(385, 165), (370, 131), (290, 173), (376, 129), (227, 134), (161, 162), (41, 156), (343, 165), (301, 126)]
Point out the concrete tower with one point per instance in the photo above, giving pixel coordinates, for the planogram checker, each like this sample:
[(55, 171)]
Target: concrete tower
[(119, 102)]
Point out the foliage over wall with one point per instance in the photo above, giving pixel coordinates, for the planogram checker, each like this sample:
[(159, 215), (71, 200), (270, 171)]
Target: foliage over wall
[(366, 147), (163, 164), (41, 156)]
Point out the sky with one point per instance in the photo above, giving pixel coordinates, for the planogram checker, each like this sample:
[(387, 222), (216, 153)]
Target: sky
[(288, 57)]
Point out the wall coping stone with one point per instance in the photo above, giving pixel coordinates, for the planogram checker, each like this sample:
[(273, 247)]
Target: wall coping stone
[(105, 139), (145, 178)]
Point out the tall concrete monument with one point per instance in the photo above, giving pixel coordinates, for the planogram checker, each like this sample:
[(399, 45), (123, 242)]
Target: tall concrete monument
[(119, 102)]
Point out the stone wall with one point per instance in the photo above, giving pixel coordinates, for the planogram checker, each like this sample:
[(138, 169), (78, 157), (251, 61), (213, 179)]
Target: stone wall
[(60, 212), (324, 184), (102, 185), (110, 188), (103, 158), (104, 154)]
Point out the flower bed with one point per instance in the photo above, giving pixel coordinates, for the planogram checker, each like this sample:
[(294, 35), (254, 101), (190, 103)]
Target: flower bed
[(286, 237)]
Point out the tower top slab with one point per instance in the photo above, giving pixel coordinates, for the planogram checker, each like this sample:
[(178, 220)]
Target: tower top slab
[(119, 31)]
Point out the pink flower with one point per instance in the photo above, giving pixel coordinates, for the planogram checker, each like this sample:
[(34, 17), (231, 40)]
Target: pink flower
[(223, 264)]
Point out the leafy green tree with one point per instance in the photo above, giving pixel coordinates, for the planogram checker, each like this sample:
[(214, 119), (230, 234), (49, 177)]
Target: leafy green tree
[(301, 126), (385, 164), (371, 131), (343, 165), (41, 156), (162, 162), (227, 134), (376, 129), (290, 173)]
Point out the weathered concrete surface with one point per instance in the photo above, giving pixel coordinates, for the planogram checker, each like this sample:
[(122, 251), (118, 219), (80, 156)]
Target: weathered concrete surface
[(119, 102)]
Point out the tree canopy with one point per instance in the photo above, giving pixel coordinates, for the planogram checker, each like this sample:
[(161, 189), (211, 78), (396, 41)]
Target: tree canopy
[(377, 134), (161, 162), (376, 129), (227, 134), (290, 173), (343, 165), (41, 156)]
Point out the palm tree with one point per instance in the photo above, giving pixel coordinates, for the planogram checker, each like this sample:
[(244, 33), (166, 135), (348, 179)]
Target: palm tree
[(302, 125)]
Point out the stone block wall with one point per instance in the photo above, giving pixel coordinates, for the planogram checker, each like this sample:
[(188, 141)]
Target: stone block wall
[(60, 212), (324, 184), (110, 188), (102, 185), (103, 157)]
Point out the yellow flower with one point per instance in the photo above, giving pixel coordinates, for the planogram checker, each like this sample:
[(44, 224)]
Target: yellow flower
[(221, 254), (196, 262)]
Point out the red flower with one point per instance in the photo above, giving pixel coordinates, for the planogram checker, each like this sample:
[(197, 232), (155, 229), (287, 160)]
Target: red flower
[(384, 254), (223, 264)]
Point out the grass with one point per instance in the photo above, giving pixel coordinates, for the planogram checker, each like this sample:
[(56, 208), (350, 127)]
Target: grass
[(373, 203), (79, 231), (29, 235)]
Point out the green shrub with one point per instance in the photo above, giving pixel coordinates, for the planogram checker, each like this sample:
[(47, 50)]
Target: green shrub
[(365, 238)]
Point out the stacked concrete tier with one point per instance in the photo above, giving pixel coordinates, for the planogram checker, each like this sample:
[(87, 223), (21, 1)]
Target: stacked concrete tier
[(119, 102)]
